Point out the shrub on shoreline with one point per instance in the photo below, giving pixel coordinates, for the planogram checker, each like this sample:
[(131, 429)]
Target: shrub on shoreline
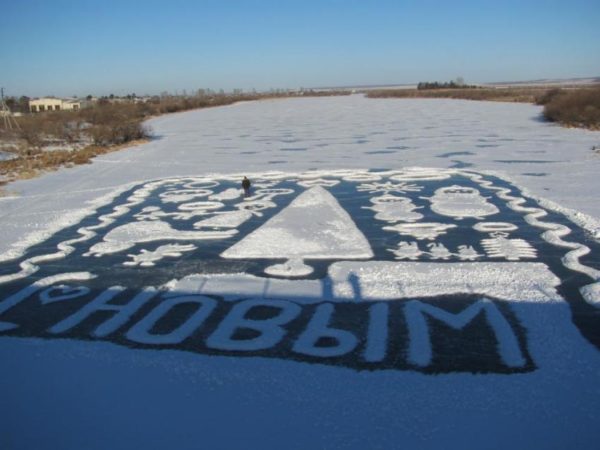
[(574, 108)]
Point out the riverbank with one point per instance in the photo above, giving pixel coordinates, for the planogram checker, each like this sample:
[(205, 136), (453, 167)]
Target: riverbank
[(45, 142), (572, 107)]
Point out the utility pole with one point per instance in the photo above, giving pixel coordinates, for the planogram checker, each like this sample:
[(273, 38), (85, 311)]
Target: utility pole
[(9, 121)]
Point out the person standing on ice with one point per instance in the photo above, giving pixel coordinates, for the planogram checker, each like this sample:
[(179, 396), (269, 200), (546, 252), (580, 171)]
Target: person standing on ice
[(246, 185)]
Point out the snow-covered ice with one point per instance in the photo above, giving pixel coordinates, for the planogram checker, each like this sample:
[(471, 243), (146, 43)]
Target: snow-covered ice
[(362, 351), (551, 162)]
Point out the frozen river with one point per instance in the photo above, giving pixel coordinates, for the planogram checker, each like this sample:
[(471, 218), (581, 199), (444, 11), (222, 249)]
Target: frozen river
[(414, 273), (328, 133)]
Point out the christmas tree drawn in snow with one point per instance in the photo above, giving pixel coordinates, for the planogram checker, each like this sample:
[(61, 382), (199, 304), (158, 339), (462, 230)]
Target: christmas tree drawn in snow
[(500, 246), (313, 226)]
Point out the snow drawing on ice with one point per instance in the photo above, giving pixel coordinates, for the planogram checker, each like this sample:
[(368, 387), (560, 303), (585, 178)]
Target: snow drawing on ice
[(407, 250), (362, 177), (389, 187), (396, 269), (147, 258), (412, 251), (326, 232), (510, 249), (317, 182), (495, 227), (467, 253), (126, 236), (499, 245), (62, 292), (391, 208), (421, 231), (184, 195), (460, 202), (438, 251), (420, 174)]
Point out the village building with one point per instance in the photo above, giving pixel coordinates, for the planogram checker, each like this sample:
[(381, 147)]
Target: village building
[(53, 104)]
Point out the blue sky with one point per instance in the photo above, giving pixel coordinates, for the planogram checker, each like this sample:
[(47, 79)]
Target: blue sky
[(100, 47)]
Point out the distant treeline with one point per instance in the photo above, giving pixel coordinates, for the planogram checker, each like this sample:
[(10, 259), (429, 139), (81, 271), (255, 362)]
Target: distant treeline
[(424, 85)]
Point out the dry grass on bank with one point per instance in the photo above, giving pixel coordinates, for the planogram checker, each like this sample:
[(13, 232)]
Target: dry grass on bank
[(30, 166), (106, 124), (520, 95), (574, 108), (105, 127)]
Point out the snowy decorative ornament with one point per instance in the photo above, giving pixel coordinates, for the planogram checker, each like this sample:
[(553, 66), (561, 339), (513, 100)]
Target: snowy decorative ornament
[(184, 195), (293, 267), (255, 206), (267, 194), (271, 193), (438, 251), (317, 182), (62, 292), (407, 250), (201, 184), (150, 213), (467, 253), (200, 206), (388, 187), (390, 208), (132, 233), (494, 227), (421, 231), (361, 177), (147, 258), (460, 202)]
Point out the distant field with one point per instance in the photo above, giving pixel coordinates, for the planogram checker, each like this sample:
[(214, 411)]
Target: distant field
[(509, 94), (571, 106)]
